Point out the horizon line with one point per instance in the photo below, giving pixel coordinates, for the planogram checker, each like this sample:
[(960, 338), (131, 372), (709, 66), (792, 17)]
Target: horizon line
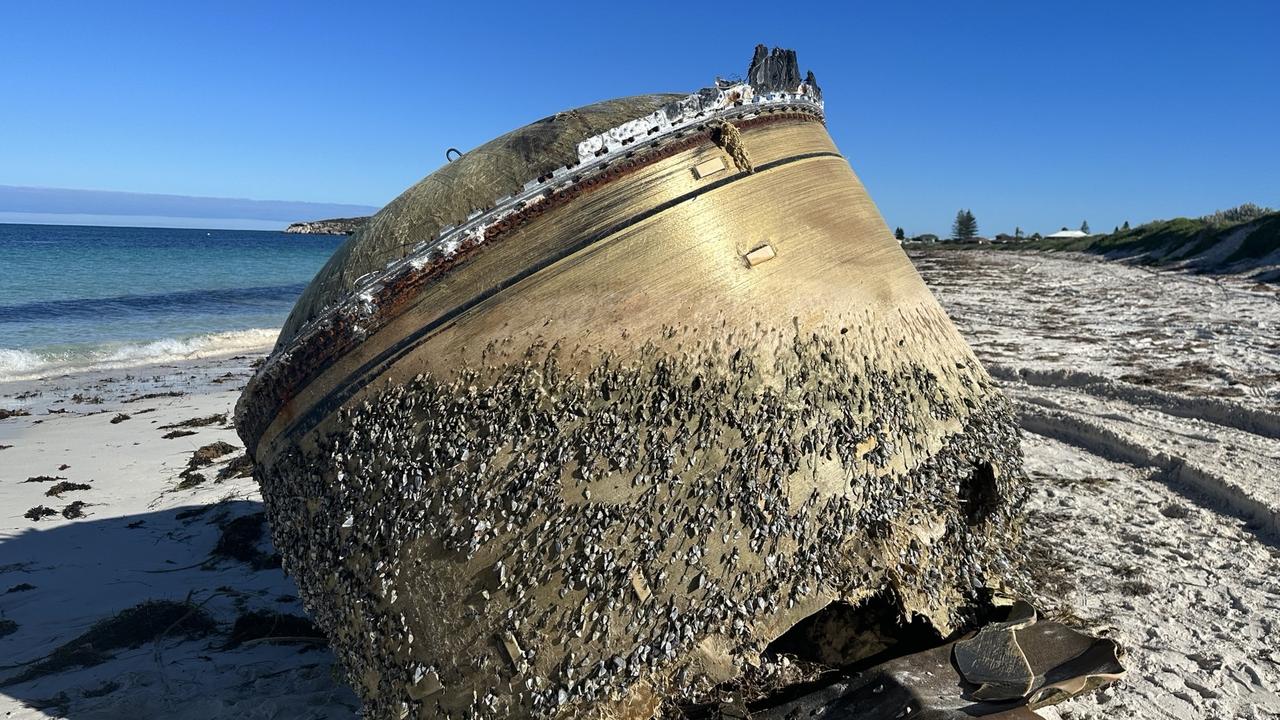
[(42, 204)]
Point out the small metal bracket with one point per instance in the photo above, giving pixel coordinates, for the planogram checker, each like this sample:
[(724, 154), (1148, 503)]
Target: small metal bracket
[(762, 254), (707, 168)]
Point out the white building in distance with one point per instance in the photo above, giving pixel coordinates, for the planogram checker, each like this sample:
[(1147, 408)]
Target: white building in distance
[(1066, 235)]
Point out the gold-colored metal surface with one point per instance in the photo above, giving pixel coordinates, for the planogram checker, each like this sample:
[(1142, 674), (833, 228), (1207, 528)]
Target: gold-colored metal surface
[(602, 463)]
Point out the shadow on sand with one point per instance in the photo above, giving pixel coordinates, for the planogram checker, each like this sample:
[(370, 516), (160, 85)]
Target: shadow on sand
[(181, 613)]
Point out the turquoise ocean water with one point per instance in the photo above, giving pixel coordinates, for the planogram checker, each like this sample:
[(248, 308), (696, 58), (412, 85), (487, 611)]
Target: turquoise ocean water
[(73, 297)]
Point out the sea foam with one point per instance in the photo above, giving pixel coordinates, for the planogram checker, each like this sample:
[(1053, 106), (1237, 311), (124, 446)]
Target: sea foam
[(30, 364)]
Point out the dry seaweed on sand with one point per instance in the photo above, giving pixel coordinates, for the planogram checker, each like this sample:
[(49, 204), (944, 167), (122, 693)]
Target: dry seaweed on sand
[(193, 512), (20, 587), (239, 540), (119, 418), (39, 512), (218, 419), (271, 626), (207, 454), (240, 466), (7, 627), (44, 478), (202, 457), (106, 688), (131, 628), (190, 479), (64, 486), (177, 434), (74, 510), (150, 396), (6, 414)]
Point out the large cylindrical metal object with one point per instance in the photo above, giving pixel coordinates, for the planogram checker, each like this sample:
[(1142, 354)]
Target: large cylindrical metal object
[(600, 447)]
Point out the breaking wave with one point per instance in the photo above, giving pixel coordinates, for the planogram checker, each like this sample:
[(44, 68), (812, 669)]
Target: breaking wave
[(29, 364)]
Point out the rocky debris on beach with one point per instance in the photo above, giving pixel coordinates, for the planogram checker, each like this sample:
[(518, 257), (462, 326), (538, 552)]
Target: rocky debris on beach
[(6, 414), (333, 226)]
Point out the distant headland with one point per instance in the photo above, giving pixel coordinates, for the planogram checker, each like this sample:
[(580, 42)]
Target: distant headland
[(333, 226)]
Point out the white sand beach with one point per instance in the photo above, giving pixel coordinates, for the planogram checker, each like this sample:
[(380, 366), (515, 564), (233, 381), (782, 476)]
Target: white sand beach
[(144, 535), (1152, 403)]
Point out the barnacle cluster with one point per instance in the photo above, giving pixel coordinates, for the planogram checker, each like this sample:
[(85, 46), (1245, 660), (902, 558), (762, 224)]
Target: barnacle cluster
[(554, 530)]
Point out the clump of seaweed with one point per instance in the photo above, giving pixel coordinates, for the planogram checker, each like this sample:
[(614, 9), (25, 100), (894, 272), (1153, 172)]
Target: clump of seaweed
[(239, 540), (208, 454), (64, 486), (105, 688), (191, 479), (219, 419), (74, 510), (150, 396), (202, 457), (131, 628), (240, 466), (271, 626), (39, 512)]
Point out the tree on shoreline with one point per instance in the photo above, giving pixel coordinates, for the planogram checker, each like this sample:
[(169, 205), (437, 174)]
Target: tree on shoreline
[(965, 227), (1084, 227), (899, 234)]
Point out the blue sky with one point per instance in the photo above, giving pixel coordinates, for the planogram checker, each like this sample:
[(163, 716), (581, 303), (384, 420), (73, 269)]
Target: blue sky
[(1032, 114)]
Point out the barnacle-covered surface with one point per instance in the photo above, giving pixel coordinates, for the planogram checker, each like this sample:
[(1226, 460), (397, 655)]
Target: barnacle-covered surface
[(563, 528), (596, 461)]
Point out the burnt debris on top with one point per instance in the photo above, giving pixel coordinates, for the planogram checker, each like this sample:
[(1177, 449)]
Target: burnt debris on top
[(778, 71)]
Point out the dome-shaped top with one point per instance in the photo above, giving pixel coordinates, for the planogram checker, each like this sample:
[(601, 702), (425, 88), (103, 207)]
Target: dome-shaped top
[(496, 169)]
